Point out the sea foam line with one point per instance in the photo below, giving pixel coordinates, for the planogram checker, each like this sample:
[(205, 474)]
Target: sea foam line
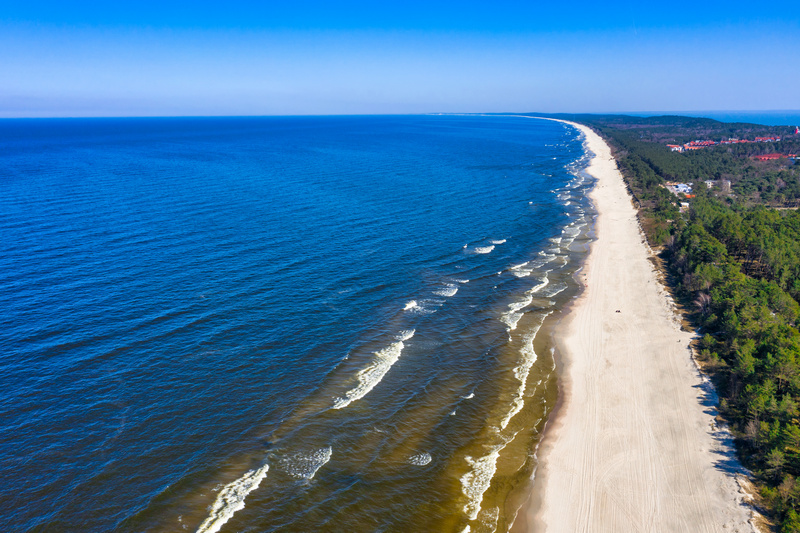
[(475, 482), (374, 372), (520, 271), (512, 317), (231, 499), (522, 371), (554, 289)]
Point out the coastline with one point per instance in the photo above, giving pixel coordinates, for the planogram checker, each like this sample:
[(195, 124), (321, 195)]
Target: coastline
[(632, 443)]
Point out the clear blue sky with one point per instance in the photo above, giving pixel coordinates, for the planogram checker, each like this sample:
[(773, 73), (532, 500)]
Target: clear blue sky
[(345, 57)]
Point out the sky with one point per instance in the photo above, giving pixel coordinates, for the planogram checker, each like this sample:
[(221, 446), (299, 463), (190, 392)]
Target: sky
[(149, 58)]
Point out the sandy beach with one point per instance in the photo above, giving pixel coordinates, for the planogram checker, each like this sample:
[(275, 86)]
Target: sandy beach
[(633, 445)]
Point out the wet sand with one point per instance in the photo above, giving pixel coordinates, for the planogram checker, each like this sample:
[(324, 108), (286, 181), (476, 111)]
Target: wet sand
[(633, 445)]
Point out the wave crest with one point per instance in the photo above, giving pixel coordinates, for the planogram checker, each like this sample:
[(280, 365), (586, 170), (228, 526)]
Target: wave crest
[(374, 372), (231, 499)]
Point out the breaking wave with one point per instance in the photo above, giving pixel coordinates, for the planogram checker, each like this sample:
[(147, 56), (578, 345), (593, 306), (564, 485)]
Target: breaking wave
[(475, 482), (521, 372), (231, 499), (374, 372), (449, 290), (512, 317), (411, 306)]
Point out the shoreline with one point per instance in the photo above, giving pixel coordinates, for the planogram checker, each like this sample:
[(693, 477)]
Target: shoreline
[(631, 443)]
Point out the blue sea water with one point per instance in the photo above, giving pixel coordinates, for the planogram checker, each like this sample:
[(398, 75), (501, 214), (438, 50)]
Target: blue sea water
[(280, 324)]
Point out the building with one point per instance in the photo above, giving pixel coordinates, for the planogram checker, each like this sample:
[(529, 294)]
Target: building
[(678, 188), (767, 157)]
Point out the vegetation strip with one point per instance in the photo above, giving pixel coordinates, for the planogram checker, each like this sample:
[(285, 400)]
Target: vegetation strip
[(725, 222)]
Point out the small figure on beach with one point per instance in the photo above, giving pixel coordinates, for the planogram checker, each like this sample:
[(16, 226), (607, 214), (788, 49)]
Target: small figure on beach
[(618, 311)]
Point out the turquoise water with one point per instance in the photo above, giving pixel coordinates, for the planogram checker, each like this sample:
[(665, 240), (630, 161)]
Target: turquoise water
[(280, 324)]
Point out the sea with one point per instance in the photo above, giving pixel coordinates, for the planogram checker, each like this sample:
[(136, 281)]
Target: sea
[(284, 324)]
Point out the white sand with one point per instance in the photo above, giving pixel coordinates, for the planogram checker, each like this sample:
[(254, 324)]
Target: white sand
[(633, 446)]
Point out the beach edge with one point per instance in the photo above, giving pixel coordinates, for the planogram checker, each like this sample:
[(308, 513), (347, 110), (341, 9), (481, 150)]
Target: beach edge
[(548, 509)]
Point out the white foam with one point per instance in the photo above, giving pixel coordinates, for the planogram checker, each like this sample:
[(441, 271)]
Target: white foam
[(471, 395), (306, 465), (499, 241), (231, 499), (421, 459), (411, 305), (539, 263), (489, 519), (475, 482), (521, 372), (520, 271), (514, 314), (374, 372), (536, 288), (449, 290), (554, 289), (512, 317), (483, 249), (422, 306)]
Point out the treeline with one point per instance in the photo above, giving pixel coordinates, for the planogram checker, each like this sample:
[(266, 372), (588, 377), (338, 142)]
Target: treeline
[(736, 266), (677, 129), (738, 269), (640, 142), (764, 242)]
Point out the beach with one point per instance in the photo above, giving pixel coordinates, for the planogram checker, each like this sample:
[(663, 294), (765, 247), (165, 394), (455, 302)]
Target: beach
[(633, 444)]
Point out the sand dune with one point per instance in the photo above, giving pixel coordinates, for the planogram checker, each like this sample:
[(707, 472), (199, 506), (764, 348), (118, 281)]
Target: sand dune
[(633, 446)]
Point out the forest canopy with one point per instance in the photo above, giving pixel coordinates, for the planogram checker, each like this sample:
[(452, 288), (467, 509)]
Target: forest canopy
[(732, 251)]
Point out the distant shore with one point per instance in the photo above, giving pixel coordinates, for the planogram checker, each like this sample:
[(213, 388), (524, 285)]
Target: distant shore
[(632, 445)]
